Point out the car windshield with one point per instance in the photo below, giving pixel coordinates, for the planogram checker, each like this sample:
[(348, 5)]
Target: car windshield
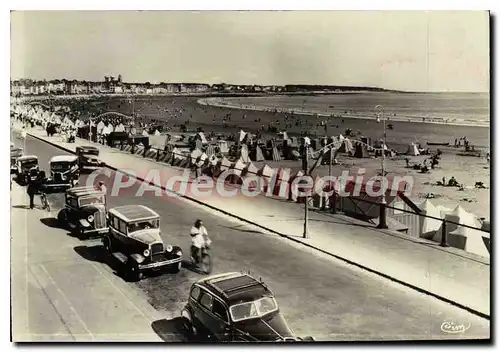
[(143, 225), (61, 166), (254, 309), (89, 200), (29, 163)]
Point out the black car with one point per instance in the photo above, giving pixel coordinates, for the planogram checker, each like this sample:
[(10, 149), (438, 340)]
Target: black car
[(134, 240), (64, 172), (26, 166), (84, 211), (235, 307), (88, 158)]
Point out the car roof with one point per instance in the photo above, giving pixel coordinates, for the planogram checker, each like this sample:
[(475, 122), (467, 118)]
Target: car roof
[(132, 213), (90, 147), (26, 157), (236, 287), (63, 158), (83, 191)]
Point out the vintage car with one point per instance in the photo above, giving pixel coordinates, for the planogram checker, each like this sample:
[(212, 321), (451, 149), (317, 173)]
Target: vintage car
[(64, 172), (88, 158), (134, 239), (24, 166), (15, 153), (84, 211), (235, 307)]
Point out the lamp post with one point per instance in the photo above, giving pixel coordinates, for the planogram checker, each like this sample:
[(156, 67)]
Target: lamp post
[(305, 160), (379, 113)]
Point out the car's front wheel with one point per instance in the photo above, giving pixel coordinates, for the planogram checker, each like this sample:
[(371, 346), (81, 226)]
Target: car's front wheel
[(108, 245), (132, 272), (61, 217), (187, 322)]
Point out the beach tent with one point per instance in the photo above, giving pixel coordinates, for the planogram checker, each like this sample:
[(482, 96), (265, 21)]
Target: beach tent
[(243, 154), (222, 165), (195, 154), (120, 128), (251, 170), (257, 154), (361, 151), (210, 150), (238, 167), (201, 136), (100, 127), (267, 173), (223, 148), (470, 240), (346, 146), (241, 136), (428, 226), (412, 150), (202, 160)]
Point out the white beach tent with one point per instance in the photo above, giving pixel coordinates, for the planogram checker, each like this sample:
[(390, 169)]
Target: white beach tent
[(428, 226), (460, 237), (412, 150), (100, 127)]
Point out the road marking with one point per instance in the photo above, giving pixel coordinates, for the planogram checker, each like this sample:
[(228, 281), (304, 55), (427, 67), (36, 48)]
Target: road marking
[(67, 301)]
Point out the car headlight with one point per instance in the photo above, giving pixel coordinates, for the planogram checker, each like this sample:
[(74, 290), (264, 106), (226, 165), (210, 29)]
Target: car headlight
[(90, 218), (169, 248), (178, 253), (146, 252)]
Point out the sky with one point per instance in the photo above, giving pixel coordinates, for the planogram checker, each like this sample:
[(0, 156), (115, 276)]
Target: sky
[(405, 50)]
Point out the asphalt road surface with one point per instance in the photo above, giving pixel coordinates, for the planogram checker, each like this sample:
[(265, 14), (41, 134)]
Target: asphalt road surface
[(318, 295)]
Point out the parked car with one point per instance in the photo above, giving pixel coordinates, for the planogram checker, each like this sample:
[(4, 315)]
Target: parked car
[(24, 166), (235, 307), (64, 172), (84, 211), (15, 153), (134, 239), (88, 158)]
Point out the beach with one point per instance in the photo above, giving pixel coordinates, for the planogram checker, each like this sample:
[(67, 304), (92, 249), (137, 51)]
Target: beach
[(175, 110)]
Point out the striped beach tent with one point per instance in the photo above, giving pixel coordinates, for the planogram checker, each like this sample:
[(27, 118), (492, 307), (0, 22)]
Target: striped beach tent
[(243, 154), (210, 150)]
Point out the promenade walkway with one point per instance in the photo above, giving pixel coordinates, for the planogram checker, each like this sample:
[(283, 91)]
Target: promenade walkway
[(447, 273)]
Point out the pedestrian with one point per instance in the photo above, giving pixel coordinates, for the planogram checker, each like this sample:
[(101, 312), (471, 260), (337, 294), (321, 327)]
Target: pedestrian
[(32, 190)]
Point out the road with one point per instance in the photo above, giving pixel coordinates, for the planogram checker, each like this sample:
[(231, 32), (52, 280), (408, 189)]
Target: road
[(318, 295)]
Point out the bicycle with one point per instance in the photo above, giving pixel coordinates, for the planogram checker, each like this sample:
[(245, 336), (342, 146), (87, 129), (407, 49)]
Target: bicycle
[(45, 201)]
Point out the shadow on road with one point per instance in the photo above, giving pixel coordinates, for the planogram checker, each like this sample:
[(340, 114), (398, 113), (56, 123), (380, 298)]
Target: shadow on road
[(240, 229), (95, 253), (21, 206), (171, 330), (51, 222)]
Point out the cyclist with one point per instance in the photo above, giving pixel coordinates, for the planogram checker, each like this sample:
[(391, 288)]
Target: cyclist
[(199, 240)]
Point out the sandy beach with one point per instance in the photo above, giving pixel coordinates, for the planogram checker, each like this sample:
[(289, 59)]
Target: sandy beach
[(173, 111)]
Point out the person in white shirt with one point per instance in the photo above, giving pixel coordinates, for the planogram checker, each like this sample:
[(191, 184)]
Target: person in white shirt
[(199, 240)]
